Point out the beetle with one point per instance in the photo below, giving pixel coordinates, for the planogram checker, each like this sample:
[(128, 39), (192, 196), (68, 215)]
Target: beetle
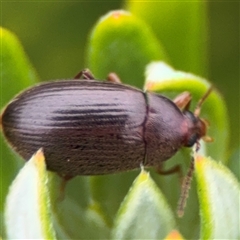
[(91, 127)]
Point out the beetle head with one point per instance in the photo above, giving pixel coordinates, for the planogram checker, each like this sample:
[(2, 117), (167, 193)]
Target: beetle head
[(197, 127)]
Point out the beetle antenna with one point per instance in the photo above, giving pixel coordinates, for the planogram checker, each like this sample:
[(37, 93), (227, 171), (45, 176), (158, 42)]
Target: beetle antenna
[(200, 102), (185, 189)]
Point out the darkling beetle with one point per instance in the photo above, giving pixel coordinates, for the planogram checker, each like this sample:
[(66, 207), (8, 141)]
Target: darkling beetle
[(89, 127)]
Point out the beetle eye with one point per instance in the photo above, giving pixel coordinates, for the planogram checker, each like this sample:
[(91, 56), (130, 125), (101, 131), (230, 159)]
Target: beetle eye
[(192, 139)]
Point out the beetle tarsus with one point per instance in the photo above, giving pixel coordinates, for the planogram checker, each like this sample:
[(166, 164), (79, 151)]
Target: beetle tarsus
[(62, 187)]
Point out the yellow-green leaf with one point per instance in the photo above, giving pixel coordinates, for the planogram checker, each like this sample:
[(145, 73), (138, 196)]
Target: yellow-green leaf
[(27, 212), (16, 74), (219, 197), (144, 213), (16, 71)]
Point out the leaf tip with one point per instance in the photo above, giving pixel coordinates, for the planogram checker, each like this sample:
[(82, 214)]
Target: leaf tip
[(39, 158), (144, 175), (118, 13), (199, 160), (174, 235), (115, 15), (39, 155)]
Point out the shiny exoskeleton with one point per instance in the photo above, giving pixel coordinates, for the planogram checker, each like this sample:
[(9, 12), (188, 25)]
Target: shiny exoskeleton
[(88, 127)]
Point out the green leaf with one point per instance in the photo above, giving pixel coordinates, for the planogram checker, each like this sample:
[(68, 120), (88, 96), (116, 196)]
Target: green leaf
[(72, 221), (161, 77), (182, 28), (27, 213), (124, 44), (15, 69), (219, 197), (144, 212), (76, 214), (16, 74), (103, 190)]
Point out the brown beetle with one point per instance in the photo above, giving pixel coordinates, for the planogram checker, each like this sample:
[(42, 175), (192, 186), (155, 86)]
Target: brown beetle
[(89, 127)]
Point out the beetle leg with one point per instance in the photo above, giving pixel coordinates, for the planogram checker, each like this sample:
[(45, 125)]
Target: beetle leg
[(64, 180), (185, 189), (183, 100), (85, 74), (113, 77), (175, 169)]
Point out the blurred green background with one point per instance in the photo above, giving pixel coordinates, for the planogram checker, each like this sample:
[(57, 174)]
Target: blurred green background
[(54, 35)]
